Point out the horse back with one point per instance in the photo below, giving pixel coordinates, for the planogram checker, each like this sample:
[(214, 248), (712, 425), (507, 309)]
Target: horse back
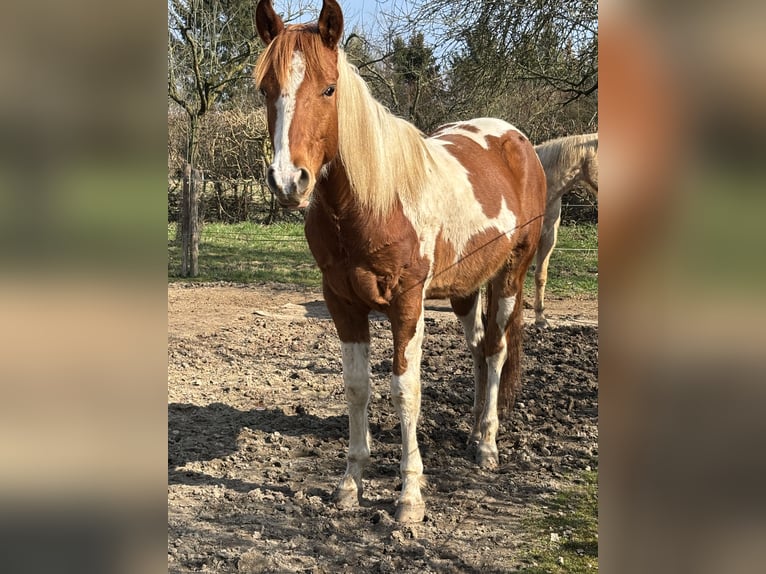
[(492, 204)]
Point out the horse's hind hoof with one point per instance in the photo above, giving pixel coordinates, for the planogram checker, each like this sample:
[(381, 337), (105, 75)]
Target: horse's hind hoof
[(408, 512)]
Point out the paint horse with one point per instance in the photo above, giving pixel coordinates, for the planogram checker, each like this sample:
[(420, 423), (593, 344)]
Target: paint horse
[(393, 218), (568, 162)]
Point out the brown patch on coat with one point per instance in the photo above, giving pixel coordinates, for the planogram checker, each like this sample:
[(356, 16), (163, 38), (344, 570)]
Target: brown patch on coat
[(499, 172), (468, 128), (484, 254)]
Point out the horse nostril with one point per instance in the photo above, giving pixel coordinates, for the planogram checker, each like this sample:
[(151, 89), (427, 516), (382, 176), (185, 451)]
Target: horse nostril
[(303, 180), (271, 180)]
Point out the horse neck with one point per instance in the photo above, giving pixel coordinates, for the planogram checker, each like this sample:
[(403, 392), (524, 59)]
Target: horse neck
[(334, 194)]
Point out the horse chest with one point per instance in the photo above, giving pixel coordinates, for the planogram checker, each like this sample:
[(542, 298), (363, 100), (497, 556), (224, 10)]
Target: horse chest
[(369, 265)]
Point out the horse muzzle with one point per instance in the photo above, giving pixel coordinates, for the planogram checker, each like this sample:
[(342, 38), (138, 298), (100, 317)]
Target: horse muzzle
[(291, 188)]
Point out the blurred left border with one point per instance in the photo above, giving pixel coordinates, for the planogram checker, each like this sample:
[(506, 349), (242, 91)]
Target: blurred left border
[(83, 290)]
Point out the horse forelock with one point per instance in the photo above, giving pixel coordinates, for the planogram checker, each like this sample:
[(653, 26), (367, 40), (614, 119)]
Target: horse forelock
[(278, 55)]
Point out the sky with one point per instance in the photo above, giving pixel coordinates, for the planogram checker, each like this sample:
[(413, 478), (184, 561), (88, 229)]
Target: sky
[(361, 13), (366, 16)]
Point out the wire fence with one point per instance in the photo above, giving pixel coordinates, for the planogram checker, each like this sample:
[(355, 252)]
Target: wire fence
[(247, 199), (212, 230)]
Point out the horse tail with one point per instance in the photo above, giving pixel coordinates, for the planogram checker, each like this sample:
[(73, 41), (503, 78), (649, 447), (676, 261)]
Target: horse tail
[(510, 376)]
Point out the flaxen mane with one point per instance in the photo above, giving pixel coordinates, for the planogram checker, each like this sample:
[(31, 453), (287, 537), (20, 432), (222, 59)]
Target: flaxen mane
[(384, 155)]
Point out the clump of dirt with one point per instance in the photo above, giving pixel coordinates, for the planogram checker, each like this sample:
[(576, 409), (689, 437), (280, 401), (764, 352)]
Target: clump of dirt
[(257, 437)]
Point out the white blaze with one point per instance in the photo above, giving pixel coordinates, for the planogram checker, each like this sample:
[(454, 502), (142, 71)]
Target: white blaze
[(285, 106)]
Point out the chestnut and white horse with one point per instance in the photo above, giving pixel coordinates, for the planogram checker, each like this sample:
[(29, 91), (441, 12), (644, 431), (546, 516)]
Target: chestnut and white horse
[(393, 218), (568, 162)]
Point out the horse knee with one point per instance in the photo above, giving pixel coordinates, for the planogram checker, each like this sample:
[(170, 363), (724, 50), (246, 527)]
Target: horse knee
[(358, 394), (404, 394)]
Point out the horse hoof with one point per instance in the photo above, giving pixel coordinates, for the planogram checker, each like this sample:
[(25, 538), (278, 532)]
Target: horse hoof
[(346, 498), (408, 512), (487, 459), (542, 323)]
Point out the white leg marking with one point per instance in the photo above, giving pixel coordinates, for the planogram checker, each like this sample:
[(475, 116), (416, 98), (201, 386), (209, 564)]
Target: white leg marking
[(405, 392), (505, 307), (285, 105), (356, 379), (489, 419), (474, 337)]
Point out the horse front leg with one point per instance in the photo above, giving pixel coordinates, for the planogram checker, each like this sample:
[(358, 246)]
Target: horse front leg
[(353, 330), (544, 250), (356, 380), (408, 328)]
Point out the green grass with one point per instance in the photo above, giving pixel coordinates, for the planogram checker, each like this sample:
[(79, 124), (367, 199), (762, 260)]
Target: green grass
[(572, 272), (573, 516), (253, 253), (249, 253)]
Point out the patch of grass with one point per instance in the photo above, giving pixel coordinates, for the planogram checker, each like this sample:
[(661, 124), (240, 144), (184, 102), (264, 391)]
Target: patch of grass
[(252, 253), (249, 253), (571, 519), (572, 272)]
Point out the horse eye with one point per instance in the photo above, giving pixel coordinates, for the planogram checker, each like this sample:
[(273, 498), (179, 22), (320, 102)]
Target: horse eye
[(329, 91)]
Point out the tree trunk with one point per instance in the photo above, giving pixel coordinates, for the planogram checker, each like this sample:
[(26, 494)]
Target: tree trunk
[(190, 222)]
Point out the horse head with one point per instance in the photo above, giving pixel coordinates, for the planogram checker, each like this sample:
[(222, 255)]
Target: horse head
[(297, 75)]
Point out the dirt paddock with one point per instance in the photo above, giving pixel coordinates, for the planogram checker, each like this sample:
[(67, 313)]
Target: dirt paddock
[(257, 435)]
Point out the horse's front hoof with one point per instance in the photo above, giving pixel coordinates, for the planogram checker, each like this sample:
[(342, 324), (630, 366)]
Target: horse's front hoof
[(346, 498), (409, 512), (542, 323)]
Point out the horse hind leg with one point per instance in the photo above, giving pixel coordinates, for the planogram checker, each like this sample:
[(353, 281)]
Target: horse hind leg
[(503, 358), (468, 311)]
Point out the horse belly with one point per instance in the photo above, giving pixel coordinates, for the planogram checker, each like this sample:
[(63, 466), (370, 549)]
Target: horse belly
[(460, 274)]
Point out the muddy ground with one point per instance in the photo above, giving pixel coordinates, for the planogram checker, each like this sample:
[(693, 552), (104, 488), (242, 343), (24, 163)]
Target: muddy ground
[(257, 433)]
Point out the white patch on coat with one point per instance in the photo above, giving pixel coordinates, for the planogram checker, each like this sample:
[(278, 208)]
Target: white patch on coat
[(473, 326), (448, 205), (486, 127)]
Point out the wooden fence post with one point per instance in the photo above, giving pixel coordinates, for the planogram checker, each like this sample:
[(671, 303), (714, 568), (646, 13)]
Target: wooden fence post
[(190, 221)]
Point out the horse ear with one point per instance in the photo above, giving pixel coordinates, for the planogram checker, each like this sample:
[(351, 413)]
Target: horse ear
[(267, 21), (330, 23)]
